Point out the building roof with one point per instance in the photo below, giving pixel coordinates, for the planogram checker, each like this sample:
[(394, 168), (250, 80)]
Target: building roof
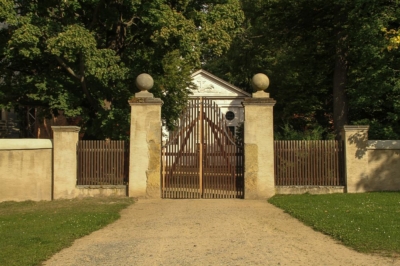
[(211, 86)]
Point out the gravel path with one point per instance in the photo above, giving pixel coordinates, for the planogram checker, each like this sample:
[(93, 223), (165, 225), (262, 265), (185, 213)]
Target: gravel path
[(209, 232)]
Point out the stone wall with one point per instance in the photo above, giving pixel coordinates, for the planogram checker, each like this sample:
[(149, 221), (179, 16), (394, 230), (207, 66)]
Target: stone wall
[(259, 171), (370, 165), (287, 190), (145, 141), (25, 169), (383, 166), (43, 169)]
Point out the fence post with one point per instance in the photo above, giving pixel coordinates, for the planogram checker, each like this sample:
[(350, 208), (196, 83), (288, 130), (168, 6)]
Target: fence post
[(259, 141), (355, 157), (145, 141), (65, 140)]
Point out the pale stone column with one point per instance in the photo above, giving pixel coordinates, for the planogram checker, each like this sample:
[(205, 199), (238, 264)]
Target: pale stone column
[(145, 141), (3, 114), (259, 142), (65, 141), (356, 157)]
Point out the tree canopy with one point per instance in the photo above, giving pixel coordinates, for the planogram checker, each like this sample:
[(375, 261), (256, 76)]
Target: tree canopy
[(80, 56), (330, 63)]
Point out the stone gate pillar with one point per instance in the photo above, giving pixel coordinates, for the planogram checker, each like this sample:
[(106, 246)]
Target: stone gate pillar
[(356, 157), (259, 142), (145, 141), (65, 141)]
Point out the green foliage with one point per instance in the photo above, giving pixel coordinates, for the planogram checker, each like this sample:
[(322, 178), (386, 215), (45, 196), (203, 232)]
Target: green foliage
[(287, 132), (367, 222), (74, 55), (239, 134), (30, 232), (298, 43)]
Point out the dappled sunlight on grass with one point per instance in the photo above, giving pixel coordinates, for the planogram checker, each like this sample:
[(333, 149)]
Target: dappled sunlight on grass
[(30, 232), (368, 222)]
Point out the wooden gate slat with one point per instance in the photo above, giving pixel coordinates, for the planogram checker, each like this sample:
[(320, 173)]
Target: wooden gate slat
[(102, 162), (308, 163), (204, 150)]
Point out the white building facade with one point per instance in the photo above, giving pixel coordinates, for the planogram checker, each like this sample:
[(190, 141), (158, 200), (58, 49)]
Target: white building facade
[(228, 97)]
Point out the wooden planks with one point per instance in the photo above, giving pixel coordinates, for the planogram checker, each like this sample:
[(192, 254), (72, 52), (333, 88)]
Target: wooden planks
[(223, 155), (308, 163), (102, 162), (202, 159), (181, 157)]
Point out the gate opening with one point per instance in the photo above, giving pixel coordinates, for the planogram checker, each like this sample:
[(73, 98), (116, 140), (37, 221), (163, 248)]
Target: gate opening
[(202, 159)]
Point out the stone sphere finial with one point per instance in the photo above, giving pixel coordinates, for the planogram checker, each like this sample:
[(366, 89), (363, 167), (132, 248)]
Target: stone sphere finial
[(144, 82), (260, 82)]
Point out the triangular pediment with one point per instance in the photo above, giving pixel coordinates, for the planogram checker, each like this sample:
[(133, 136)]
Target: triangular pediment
[(211, 86)]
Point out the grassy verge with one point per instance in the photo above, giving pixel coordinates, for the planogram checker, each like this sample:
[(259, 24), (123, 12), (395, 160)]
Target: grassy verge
[(30, 232), (368, 222)]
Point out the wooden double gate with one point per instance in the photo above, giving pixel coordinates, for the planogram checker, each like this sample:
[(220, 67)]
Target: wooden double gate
[(202, 158)]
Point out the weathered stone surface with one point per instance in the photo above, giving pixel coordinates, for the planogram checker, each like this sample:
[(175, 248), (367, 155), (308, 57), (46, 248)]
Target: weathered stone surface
[(101, 191), (153, 189), (142, 94), (145, 147), (25, 144), (154, 156), (383, 170), (259, 101), (251, 171), (260, 82), (356, 170), (260, 94), (65, 140), (25, 173), (308, 189), (258, 131), (144, 82), (154, 170), (147, 99)]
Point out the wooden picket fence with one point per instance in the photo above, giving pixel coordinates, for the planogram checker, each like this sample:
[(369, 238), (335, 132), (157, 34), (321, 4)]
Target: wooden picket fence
[(103, 162), (308, 163)]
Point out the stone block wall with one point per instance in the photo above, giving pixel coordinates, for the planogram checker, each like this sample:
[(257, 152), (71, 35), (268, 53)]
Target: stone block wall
[(25, 169), (370, 165), (383, 166), (43, 169)]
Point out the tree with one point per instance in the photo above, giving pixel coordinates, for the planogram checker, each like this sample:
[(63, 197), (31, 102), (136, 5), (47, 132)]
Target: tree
[(80, 56), (279, 40), (327, 62)]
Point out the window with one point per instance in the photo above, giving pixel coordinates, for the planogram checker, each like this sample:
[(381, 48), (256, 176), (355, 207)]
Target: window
[(230, 115)]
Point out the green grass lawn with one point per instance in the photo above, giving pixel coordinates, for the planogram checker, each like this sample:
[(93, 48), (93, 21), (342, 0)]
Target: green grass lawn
[(368, 222), (30, 232)]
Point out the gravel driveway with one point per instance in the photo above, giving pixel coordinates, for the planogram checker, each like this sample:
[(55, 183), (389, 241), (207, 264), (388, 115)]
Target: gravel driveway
[(209, 232)]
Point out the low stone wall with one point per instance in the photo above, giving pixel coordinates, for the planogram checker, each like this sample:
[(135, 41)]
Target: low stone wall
[(42, 169), (28, 169), (383, 166), (25, 169)]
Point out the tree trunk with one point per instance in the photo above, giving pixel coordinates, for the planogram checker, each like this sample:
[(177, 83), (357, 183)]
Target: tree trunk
[(340, 102)]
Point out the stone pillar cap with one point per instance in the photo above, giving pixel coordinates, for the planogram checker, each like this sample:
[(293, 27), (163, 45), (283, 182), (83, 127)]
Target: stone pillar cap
[(65, 128), (144, 82), (355, 127), (260, 82)]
